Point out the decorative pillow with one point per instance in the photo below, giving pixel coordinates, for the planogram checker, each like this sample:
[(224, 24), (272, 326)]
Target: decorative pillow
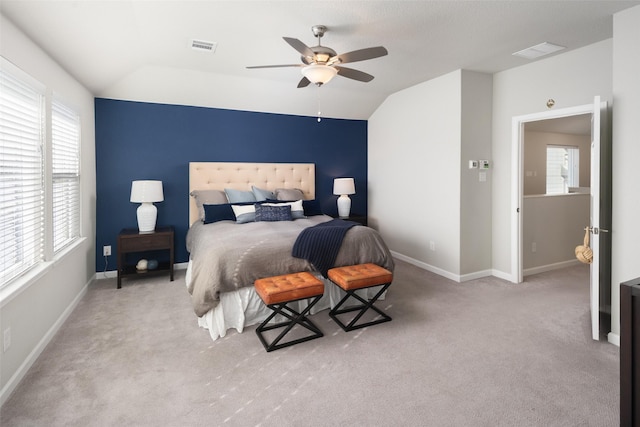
[(261, 194), (238, 196), (244, 213), (266, 212), (215, 213), (209, 197), (289, 194), (311, 208), (297, 211)]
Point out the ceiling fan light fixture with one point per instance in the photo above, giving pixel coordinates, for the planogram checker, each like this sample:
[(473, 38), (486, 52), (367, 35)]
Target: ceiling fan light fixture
[(322, 58), (319, 74)]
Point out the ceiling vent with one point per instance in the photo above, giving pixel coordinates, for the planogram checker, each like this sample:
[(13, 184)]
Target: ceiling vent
[(538, 50), (203, 46)]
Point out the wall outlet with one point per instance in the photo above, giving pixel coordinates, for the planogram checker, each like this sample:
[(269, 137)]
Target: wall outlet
[(106, 250), (432, 245), (534, 247), (6, 340)]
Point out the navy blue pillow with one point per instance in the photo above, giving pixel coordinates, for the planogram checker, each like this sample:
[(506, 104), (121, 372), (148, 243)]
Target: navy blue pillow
[(273, 213), (215, 213), (312, 207)]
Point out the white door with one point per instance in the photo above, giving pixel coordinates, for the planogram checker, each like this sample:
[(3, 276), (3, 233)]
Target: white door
[(596, 124)]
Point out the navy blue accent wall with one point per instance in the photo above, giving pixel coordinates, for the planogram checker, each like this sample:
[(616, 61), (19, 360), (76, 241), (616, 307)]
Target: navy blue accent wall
[(136, 140)]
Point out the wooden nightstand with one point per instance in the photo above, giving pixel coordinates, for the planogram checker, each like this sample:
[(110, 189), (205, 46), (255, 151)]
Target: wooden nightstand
[(361, 219), (131, 240)]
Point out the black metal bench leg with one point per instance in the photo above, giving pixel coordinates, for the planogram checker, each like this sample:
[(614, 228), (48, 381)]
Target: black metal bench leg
[(362, 309), (294, 319)]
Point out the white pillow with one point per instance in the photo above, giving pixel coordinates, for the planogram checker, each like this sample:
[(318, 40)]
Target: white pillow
[(244, 213)]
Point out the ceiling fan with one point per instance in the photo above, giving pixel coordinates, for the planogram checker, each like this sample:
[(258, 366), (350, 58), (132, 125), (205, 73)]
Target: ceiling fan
[(321, 63)]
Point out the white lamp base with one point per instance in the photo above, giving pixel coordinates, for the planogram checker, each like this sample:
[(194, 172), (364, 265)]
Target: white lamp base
[(344, 206), (147, 214)]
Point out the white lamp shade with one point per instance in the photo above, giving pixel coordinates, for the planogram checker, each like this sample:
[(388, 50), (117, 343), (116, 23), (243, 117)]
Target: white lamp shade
[(318, 73), (146, 191), (344, 186)]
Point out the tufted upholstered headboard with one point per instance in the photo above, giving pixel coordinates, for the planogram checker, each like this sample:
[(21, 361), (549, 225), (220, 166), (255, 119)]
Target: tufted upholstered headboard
[(241, 176)]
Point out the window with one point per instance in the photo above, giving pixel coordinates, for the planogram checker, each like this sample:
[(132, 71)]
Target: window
[(65, 159), (39, 176), (563, 166), (21, 176)]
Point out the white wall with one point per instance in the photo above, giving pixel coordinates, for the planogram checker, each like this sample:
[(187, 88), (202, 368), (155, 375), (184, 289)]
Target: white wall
[(36, 311), (414, 172), (556, 225), (475, 195), (571, 79), (535, 158), (626, 155), (421, 192)]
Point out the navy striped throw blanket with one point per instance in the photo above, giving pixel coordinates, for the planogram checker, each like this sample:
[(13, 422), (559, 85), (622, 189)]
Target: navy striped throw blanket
[(321, 243)]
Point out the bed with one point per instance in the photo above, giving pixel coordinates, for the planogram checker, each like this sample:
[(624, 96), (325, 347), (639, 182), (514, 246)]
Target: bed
[(228, 252)]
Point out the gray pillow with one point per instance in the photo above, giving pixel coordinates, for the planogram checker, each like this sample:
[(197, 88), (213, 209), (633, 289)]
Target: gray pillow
[(289, 194), (239, 196), (208, 197), (262, 195)]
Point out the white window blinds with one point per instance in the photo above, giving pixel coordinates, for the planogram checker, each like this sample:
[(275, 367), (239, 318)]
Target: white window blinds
[(21, 175), (65, 155)]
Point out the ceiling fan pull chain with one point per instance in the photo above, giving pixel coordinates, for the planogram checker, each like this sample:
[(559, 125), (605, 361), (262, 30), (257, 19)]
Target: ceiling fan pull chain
[(318, 99)]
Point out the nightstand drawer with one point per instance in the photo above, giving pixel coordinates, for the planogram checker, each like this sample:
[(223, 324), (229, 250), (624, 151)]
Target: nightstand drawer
[(146, 242)]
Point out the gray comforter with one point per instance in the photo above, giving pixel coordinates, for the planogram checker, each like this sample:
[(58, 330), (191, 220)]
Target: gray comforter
[(227, 256)]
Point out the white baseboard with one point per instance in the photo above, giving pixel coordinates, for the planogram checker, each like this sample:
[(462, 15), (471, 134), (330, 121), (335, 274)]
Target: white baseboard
[(440, 272), (476, 275), (425, 266), (613, 339), (504, 276), (550, 267), (112, 274), (46, 339)]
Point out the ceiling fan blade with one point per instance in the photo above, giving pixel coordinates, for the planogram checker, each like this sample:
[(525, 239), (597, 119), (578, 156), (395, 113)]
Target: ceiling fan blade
[(304, 82), (299, 46), (362, 54), (350, 73), (275, 66)]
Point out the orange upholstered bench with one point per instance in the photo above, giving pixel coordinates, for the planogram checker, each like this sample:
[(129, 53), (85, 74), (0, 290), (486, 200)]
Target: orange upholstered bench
[(278, 291), (352, 278)]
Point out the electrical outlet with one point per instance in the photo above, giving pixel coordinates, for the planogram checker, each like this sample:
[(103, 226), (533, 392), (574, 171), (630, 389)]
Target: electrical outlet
[(6, 340), (432, 245), (106, 250), (534, 247)]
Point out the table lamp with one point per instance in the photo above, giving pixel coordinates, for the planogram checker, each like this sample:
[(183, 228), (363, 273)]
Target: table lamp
[(343, 187), (146, 193)]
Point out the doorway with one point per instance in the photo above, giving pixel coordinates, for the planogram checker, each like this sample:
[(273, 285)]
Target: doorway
[(599, 205), (556, 191)]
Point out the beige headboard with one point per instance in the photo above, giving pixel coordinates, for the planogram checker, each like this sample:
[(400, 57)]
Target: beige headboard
[(241, 176)]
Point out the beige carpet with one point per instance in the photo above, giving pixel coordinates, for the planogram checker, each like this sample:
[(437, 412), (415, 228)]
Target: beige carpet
[(481, 353)]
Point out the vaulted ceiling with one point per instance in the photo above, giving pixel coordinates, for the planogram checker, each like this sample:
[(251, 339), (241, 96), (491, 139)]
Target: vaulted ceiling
[(141, 49)]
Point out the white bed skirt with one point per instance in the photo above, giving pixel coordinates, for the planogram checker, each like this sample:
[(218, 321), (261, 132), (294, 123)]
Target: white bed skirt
[(245, 308)]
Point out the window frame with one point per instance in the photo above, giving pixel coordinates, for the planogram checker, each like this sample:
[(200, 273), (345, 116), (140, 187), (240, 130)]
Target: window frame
[(9, 284)]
